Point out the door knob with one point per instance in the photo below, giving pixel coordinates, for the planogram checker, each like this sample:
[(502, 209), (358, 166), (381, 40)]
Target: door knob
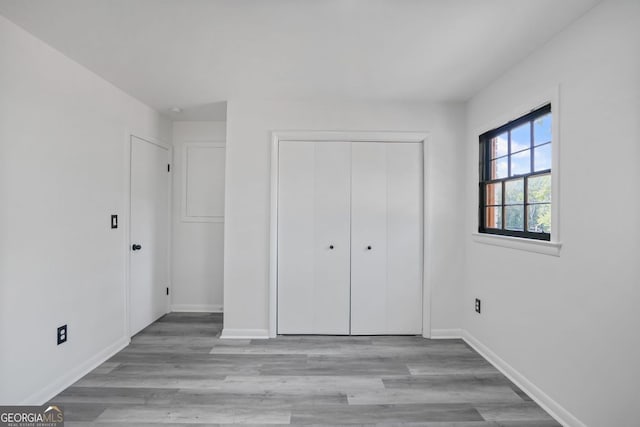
[(330, 246), (368, 248), (136, 247)]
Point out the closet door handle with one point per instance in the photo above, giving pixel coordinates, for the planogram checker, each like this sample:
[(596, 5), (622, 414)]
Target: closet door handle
[(136, 247), (368, 248), (330, 246)]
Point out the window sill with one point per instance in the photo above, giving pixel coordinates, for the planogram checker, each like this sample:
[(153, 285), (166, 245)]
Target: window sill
[(529, 245)]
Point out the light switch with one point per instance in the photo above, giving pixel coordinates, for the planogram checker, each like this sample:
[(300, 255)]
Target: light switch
[(114, 221)]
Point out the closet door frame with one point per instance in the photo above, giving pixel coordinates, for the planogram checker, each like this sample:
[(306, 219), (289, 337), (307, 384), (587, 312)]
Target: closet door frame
[(337, 136)]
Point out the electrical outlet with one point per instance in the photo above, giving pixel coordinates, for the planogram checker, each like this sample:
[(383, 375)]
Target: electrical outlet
[(477, 305), (62, 334)]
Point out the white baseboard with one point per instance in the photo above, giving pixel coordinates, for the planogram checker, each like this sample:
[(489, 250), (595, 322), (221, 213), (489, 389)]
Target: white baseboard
[(196, 308), (443, 334), (47, 393), (244, 333), (561, 415)]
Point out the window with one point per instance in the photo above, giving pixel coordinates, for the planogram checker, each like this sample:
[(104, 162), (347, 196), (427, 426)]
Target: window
[(515, 177)]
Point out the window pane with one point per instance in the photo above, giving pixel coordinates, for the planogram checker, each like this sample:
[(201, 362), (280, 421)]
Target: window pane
[(494, 194), (539, 218), (514, 218), (481, 157), (539, 189), (514, 191), (542, 129), (521, 137), (493, 217), (499, 145), (542, 158), (521, 163), (499, 168)]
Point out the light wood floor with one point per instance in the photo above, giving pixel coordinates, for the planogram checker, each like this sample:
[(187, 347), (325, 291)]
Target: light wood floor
[(177, 372)]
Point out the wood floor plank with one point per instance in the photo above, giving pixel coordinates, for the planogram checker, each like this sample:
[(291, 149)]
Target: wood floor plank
[(194, 414), (449, 381), (106, 367), (384, 413), (452, 364), (298, 384), (454, 382), (83, 412), (186, 370), (437, 389), (518, 411), (150, 382), (116, 395), (214, 398), (339, 366)]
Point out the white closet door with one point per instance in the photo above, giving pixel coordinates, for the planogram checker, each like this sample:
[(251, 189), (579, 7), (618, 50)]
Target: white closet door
[(386, 257), (313, 216)]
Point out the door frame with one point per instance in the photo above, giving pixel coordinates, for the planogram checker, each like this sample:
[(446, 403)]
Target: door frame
[(350, 136), (126, 222)]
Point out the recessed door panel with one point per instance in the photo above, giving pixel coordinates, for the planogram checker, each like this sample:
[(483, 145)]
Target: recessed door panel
[(332, 238), (404, 238), (313, 238), (386, 269), (369, 238)]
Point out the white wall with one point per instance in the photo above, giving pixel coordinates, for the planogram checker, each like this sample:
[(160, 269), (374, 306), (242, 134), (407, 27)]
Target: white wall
[(197, 243), (569, 324), (246, 258), (63, 157)]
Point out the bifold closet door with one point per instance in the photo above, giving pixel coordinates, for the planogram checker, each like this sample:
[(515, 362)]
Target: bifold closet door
[(386, 242), (313, 237)]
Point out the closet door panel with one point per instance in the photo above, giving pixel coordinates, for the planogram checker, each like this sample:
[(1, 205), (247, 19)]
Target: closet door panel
[(386, 281), (404, 238), (313, 215), (332, 228), (368, 229), (296, 253)]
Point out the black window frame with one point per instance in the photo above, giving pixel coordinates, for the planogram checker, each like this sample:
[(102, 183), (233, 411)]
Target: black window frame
[(485, 176)]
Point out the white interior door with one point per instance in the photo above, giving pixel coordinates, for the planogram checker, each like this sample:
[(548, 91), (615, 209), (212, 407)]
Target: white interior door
[(313, 237), (149, 233), (386, 257)]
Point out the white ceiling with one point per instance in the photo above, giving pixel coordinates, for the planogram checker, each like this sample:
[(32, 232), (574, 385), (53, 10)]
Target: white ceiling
[(195, 54)]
